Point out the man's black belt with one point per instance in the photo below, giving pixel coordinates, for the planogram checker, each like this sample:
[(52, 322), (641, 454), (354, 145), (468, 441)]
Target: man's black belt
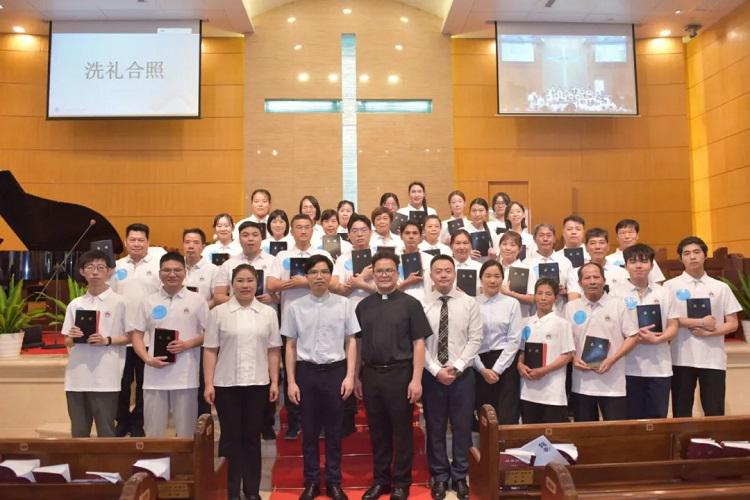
[(323, 367), (389, 365)]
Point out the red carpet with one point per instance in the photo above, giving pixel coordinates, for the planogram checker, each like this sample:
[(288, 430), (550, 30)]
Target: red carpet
[(286, 476)]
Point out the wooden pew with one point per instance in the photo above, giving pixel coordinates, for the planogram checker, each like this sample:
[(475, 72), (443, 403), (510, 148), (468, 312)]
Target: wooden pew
[(140, 486), (195, 473), (705, 478), (621, 441)]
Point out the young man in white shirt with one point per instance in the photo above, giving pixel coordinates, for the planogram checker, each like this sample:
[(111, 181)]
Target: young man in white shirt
[(648, 367), (596, 315), (544, 239), (698, 354), (627, 231), (448, 379), (136, 276), (94, 369), (321, 357), (415, 284), (171, 387), (573, 232)]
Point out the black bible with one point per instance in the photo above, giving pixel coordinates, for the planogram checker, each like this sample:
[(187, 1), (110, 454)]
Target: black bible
[(332, 245), (297, 266), (466, 280), (88, 321), (412, 263), (192, 288), (650, 315), (595, 350), (535, 354), (454, 225), (162, 337), (385, 249), (550, 270), (360, 260), (433, 251), (275, 247), (260, 288), (417, 216), (218, 259), (398, 220), (481, 241), (106, 247), (522, 253), (698, 308), (574, 255), (519, 279)]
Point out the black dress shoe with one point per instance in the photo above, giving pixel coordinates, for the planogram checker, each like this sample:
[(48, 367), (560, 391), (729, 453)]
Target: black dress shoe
[(292, 432), (335, 492), (137, 432), (268, 434), (121, 430), (376, 491), (438, 489), (400, 493), (461, 489), (311, 491)]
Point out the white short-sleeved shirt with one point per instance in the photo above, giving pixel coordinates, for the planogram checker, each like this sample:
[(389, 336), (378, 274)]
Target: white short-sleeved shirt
[(419, 290), (525, 308), (201, 275), (616, 258), (135, 280), (607, 319), (701, 352), (614, 276), (555, 332), (252, 218), (233, 248), (501, 330), (320, 326), (527, 240), (470, 264), (265, 246), (377, 240), (96, 368), (243, 336), (280, 270), (408, 208), (186, 312), (262, 261), (343, 270), (444, 249), (647, 360), (533, 261)]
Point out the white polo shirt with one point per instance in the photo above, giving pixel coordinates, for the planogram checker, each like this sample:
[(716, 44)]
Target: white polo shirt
[(280, 270), (252, 218), (408, 208), (607, 319), (377, 240), (420, 289), (186, 312), (233, 248), (243, 336), (201, 275), (647, 360), (533, 261), (95, 368), (343, 269), (616, 258), (555, 332), (262, 261), (445, 235), (701, 352), (134, 280)]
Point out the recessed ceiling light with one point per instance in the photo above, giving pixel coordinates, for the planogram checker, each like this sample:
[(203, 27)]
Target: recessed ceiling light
[(364, 78), (393, 79), (346, 11), (404, 19), (274, 152), (19, 29), (291, 19), (333, 77), (398, 46), (1, 6), (303, 77), (678, 12), (298, 47), (665, 32)]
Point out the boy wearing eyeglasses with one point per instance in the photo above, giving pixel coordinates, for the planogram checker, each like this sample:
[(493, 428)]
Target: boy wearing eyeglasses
[(95, 360)]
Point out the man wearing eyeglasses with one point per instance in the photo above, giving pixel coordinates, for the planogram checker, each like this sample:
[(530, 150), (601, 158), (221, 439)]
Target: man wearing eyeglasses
[(393, 327), (320, 365), (170, 386)]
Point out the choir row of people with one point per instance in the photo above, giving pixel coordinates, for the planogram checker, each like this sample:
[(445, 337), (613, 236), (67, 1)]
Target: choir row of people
[(457, 331)]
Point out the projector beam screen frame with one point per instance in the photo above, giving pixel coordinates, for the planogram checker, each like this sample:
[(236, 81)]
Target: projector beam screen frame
[(634, 113), (198, 90)]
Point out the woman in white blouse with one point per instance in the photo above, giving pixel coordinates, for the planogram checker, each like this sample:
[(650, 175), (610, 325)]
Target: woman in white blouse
[(240, 359), (223, 229)]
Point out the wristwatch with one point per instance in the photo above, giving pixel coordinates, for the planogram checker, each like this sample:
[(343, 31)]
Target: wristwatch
[(109, 340)]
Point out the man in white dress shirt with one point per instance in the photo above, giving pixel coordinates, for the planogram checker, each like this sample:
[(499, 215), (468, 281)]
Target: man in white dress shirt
[(628, 231)]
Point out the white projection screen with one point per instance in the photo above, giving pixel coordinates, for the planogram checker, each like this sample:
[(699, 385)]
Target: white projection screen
[(124, 69), (566, 69)]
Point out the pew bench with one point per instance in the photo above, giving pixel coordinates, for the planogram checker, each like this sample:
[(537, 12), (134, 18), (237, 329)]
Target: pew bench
[(195, 473)]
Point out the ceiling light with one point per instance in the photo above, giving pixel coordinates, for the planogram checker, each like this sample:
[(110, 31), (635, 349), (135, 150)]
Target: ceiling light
[(393, 79), (346, 11), (665, 32), (274, 152), (398, 46), (19, 29), (678, 12), (298, 47), (303, 77), (333, 77), (364, 78), (1, 6), (291, 19), (404, 19)]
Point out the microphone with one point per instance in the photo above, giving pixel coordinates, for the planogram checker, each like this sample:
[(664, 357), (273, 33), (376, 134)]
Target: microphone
[(60, 265)]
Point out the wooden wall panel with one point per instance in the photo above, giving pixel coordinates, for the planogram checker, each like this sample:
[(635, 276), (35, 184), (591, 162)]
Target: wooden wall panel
[(718, 63), (169, 174), (605, 169)]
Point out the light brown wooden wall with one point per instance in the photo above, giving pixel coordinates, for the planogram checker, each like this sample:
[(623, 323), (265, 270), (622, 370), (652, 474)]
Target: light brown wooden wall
[(169, 174), (718, 63), (603, 168)]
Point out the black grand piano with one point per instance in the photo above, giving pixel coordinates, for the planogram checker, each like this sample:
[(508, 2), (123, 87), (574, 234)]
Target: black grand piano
[(48, 229)]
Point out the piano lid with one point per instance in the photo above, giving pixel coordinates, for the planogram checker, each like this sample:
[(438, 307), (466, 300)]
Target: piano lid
[(44, 224)]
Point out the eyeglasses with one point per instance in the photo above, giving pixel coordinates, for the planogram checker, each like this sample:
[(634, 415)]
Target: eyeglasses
[(91, 268), (318, 272), (384, 272)]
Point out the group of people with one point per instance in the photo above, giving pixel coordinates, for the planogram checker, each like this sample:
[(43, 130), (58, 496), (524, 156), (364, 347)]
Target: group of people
[(393, 309)]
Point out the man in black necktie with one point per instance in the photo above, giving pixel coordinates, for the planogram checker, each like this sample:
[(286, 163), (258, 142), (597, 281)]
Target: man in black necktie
[(448, 378), (393, 329)]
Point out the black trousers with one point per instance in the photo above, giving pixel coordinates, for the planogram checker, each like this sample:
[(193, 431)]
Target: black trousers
[(203, 407), (538, 413), (390, 419), (322, 407), (505, 394), (240, 410), (441, 404), (586, 408), (712, 390), (133, 371), (647, 397), (292, 410)]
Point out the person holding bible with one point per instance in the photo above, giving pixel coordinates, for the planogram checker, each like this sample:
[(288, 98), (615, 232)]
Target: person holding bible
[(707, 311), (241, 360), (604, 334), (415, 283), (417, 201), (448, 380), (597, 246), (329, 221), (545, 263), (277, 232), (383, 237), (648, 367), (517, 282), (260, 204), (95, 333), (461, 249), (457, 205), (497, 383), (574, 247), (200, 271), (174, 318), (548, 340), (481, 233), (431, 243), (225, 243)]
